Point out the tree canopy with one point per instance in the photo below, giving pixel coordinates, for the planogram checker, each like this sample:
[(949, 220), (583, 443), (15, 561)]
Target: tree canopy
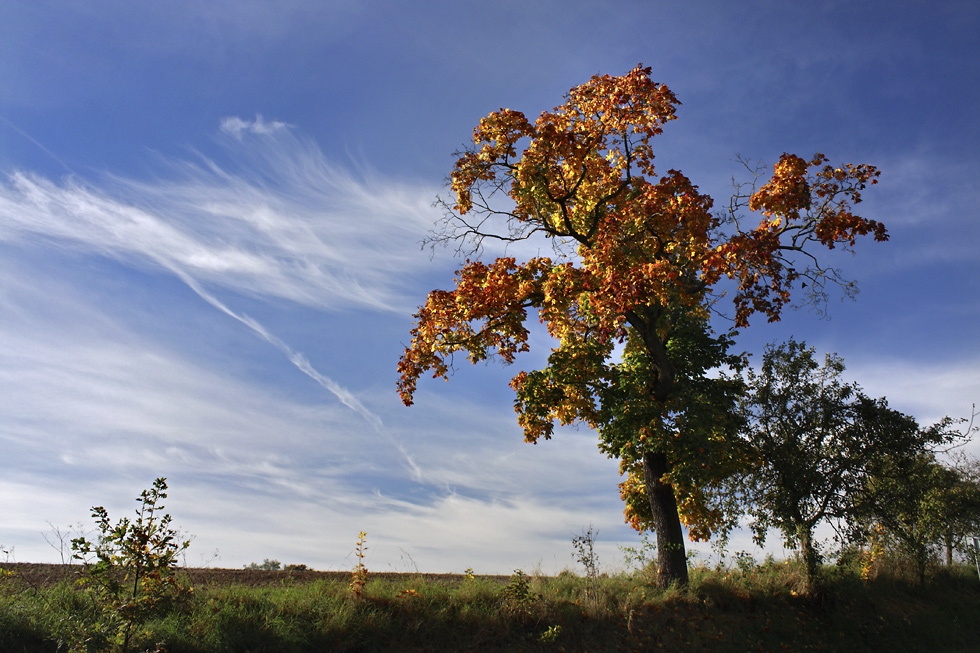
[(639, 259)]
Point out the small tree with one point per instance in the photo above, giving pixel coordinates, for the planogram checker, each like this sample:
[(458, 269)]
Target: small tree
[(359, 577), (813, 440), (893, 507), (585, 549), (131, 568)]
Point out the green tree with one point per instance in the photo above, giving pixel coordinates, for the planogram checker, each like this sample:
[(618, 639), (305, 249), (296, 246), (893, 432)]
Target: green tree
[(639, 257), (894, 507), (813, 439), (918, 504), (954, 505)]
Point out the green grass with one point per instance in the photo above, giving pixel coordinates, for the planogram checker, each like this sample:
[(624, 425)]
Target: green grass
[(750, 609)]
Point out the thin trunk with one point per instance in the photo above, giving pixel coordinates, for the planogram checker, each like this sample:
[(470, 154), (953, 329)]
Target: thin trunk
[(671, 557), (920, 555), (805, 538)]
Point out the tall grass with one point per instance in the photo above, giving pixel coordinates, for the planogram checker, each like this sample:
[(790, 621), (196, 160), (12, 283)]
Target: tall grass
[(752, 607)]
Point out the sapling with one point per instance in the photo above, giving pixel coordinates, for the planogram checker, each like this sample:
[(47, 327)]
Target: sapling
[(130, 569), (585, 547)]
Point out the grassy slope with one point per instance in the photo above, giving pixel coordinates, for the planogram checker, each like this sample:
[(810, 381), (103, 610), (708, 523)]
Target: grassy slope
[(752, 609)]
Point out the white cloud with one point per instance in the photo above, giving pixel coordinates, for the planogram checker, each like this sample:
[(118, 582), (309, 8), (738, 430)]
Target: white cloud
[(256, 475), (285, 224), (929, 391), (94, 411), (923, 187), (235, 126)]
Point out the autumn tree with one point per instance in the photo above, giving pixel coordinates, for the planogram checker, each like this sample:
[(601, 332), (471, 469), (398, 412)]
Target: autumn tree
[(639, 259), (813, 440)]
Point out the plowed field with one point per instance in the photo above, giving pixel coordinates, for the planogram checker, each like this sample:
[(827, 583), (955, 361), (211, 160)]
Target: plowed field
[(43, 575)]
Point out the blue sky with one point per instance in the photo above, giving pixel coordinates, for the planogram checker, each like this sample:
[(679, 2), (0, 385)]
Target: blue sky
[(210, 217)]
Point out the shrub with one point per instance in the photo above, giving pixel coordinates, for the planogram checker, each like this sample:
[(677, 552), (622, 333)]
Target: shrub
[(130, 569)]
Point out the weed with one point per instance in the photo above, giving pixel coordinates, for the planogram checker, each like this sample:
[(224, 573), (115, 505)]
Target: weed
[(638, 558), (60, 540), (214, 557), (407, 559), (744, 562), (550, 635), (359, 577)]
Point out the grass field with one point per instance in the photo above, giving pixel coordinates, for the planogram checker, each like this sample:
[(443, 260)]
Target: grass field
[(753, 608)]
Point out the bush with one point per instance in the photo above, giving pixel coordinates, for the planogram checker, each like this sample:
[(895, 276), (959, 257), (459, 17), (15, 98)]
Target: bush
[(130, 572)]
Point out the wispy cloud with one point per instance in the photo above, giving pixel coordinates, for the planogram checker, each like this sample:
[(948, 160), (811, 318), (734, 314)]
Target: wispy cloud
[(279, 231), (94, 412), (345, 396), (279, 222), (296, 358), (286, 225)]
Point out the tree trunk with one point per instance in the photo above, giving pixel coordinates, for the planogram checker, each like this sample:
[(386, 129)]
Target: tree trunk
[(671, 557), (805, 537), (920, 567)]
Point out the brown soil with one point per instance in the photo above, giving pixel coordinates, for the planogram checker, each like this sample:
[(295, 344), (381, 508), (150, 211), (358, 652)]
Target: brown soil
[(44, 575)]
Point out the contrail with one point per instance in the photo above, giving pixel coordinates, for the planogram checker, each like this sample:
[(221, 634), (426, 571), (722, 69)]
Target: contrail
[(36, 142), (301, 363), (294, 357)]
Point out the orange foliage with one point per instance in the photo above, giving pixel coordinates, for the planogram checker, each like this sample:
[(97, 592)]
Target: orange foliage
[(647, 249)]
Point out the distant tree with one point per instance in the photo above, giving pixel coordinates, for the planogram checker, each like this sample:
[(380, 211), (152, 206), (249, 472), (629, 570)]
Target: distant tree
[(919, 505), (639, 256), (894, 507), (267, 565), (812, 438), (954, 505)]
